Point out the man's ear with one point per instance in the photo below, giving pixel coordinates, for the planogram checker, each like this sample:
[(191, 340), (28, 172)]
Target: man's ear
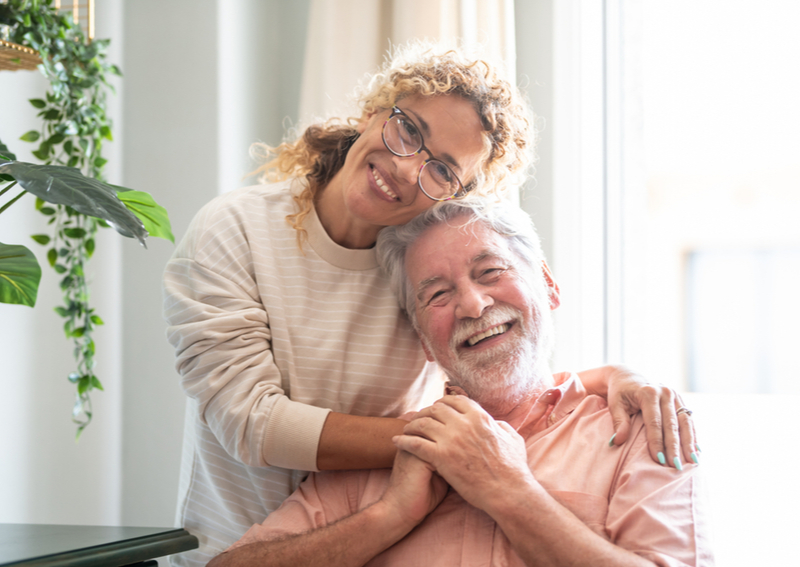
[(553, 291), (428, 354)]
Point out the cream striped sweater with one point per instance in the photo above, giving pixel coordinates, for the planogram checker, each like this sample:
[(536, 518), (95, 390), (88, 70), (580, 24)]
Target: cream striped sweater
[(268, 340)]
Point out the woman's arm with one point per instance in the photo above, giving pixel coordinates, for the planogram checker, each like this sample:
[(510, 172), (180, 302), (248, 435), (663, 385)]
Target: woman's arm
[(355, 442), (670, 435)]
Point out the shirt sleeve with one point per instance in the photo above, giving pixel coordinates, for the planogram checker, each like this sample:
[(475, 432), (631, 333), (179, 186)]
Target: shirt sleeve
[(322, 499), (658, 512), (221, 334)]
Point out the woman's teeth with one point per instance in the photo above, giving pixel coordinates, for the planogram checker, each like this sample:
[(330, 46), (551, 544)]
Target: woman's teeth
[(382, 186), (499, 330)]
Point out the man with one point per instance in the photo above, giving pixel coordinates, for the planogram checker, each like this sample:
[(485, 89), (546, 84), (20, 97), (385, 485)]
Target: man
[(511, 469)]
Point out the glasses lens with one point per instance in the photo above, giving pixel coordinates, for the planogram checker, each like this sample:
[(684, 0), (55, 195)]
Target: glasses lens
[(437, 180), (401, 136)]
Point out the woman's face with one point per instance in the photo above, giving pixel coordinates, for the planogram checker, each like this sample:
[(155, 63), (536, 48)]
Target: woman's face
[(379, 188)]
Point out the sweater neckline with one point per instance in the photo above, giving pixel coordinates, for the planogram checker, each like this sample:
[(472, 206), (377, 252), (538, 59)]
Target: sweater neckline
[(333, 253)]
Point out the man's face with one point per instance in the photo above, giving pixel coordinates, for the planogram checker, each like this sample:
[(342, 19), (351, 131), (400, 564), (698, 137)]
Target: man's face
[(479, 312)]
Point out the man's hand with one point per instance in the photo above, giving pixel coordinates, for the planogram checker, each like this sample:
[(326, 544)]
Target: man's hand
[(414, 490), (477, 455)]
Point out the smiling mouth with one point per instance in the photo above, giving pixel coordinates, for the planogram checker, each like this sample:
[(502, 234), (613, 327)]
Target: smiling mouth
[(493, 332), (382, 185)]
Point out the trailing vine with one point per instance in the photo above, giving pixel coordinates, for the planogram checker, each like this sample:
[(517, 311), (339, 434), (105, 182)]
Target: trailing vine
[(74, 127)]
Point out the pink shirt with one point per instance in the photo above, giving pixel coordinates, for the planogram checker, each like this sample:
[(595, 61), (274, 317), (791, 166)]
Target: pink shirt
[(618, 492)]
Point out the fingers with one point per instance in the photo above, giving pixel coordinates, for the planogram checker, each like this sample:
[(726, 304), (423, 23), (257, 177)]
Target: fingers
[(688, 440), (649, 401), (670, 429), (418, 446), (622, 426)]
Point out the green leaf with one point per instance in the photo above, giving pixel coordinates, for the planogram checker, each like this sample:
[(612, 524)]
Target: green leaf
[(68, 186), (37, 102), (42, 239), (96, 320), (153, 215), (96, 383), (43, 153), (63, 311), (47, 211), (75, 232), (55, 139), (30, 136), (52, 114), (79, 332), (5, 153), (84, 384), (59, 269), (52, 257), (20, 275), (89, 245), (100, 162)]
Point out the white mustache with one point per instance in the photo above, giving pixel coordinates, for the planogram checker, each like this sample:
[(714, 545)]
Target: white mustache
[(495, 316)]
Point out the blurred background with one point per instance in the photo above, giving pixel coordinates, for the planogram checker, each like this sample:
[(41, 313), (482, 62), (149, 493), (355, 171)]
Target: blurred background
[(667, 193)]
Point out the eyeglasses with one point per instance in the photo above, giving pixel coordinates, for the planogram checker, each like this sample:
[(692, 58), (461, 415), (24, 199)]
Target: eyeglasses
[(402, 137)]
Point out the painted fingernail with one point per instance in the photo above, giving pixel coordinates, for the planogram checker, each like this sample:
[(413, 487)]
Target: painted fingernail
[(661, 458), (678, 464), (694, 458), (611, 441), (697, 448)]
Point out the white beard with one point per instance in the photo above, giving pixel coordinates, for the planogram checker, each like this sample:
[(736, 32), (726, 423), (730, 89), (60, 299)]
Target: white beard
[(502, 377)]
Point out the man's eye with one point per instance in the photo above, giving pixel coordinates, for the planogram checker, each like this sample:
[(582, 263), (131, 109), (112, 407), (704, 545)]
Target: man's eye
[(491, 273), (436, 296)]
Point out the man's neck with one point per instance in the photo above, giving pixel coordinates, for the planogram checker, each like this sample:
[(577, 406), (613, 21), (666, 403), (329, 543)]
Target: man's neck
[(518, 411)]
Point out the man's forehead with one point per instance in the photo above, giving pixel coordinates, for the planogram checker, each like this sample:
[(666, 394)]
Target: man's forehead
[(447, 245)]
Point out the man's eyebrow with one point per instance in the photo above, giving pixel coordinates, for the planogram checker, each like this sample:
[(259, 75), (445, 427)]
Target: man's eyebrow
[(426, 131), (425, 284)]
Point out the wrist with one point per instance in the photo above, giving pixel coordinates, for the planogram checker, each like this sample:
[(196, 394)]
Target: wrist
[(390, 519)]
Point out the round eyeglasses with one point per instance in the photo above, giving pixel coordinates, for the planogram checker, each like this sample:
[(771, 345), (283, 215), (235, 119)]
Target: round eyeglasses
[(402, 137)]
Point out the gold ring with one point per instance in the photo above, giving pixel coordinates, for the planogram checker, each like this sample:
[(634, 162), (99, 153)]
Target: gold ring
[(683, 409)]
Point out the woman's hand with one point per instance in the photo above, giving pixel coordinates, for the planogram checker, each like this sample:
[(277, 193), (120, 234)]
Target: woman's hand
[(670, 435)]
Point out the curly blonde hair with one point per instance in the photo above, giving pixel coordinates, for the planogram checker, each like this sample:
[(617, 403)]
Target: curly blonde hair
[(416, 68)]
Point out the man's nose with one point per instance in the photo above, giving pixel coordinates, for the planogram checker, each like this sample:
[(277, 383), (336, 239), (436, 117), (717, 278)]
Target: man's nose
[(472, 303)]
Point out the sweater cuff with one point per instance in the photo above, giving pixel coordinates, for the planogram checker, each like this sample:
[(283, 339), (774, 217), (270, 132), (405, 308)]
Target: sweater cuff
[(292, 437)]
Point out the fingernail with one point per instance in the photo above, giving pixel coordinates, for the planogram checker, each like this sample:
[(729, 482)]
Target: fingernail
[(661, 458), (694, 458), (678, 464), (611, 441), (697, 448)]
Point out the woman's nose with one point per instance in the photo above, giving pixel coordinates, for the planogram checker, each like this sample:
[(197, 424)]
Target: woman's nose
[(408, 168)]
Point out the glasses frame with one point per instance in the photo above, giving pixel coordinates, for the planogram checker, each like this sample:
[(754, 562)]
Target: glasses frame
[(397, 113)]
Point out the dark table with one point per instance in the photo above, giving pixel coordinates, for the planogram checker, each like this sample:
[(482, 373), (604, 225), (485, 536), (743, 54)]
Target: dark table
[(39, 545)]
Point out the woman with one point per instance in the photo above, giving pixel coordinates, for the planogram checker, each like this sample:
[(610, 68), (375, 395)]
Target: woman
[(291, 347)]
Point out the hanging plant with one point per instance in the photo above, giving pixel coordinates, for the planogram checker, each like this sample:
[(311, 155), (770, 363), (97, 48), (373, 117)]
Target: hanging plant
[(70, 188)]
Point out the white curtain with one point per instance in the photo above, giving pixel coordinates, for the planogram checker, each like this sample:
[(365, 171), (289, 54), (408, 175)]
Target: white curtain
[(348, 39)]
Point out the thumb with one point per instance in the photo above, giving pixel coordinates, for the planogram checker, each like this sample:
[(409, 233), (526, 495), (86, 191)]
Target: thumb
[(622, 426)]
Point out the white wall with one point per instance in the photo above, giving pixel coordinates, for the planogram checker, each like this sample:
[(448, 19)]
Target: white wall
[(202, 80), (45, 477)]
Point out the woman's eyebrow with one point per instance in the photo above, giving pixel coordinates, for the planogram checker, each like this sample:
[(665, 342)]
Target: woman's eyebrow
[(426, 132)]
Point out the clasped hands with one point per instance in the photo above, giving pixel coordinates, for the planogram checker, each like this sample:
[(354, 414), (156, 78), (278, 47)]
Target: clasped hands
[(456, 442)]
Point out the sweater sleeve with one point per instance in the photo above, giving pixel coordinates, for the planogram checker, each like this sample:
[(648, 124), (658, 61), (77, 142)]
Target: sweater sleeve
[(221, 334)]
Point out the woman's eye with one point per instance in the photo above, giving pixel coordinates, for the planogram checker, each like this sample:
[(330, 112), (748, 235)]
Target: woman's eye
[(408, 129)]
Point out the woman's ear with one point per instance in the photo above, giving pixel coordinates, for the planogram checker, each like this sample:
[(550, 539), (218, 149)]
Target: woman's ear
[(553, 291), (364, 121)]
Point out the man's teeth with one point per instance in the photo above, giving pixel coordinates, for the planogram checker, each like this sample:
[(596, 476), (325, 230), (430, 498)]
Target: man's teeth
[(382, 185), (499, 330)]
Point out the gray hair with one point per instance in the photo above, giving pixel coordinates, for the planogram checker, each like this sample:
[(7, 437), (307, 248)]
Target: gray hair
[(504, 218)]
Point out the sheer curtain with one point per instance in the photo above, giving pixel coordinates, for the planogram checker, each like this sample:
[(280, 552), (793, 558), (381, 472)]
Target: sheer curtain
[(348, 39)]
